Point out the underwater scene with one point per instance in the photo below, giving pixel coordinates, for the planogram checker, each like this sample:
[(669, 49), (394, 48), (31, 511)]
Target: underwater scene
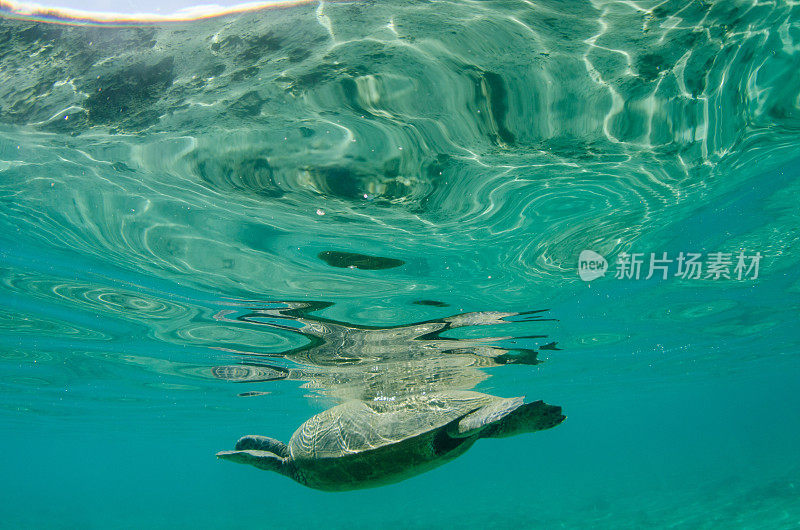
[(401, 264)]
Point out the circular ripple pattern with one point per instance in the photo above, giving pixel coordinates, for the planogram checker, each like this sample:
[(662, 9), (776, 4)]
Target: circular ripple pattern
[(529, 133)]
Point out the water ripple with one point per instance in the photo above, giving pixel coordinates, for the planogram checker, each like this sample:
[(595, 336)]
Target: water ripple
[(479, 147)]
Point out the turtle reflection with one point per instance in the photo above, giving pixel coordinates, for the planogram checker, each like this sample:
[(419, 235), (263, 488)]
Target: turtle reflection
[(363, 444), (338, 343), (387, 379), (347, 361)]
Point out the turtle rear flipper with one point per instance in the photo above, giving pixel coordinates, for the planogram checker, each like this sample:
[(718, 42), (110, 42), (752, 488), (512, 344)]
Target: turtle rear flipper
[(530, 417), (262, 443), (478, 420)]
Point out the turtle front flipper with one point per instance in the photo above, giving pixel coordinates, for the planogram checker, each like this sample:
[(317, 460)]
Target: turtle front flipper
[(530, 417), (478, 420), (508, 417), (260, 459), (262, 443)]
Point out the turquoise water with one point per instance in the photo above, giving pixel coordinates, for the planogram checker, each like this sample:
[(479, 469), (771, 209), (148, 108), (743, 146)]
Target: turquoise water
[(170, 191)]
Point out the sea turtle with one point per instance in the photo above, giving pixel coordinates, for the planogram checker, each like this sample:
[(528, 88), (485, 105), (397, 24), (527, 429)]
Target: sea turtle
[(362, 444)]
